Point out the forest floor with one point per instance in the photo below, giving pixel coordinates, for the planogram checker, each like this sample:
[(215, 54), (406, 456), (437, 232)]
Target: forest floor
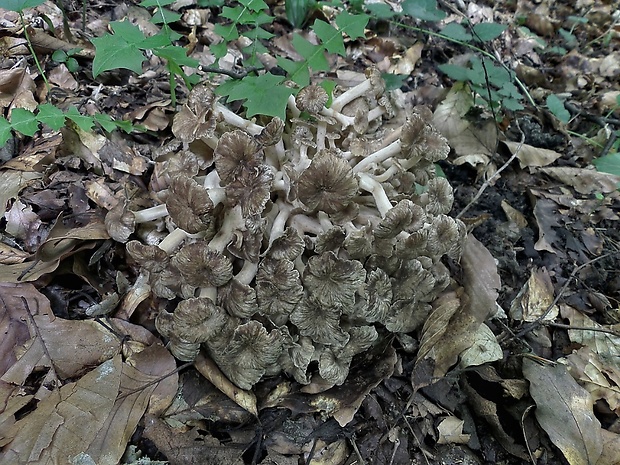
[(526, 183)]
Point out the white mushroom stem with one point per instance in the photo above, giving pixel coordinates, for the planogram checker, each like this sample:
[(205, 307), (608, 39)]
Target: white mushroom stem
[(150, 214), (233, 220), (344, 120), (367, 183), (210, 292), (173, 240), (279, 223), (378, 156), (362, 88), (305, 224), (321, 133), (387, 174), (292, 107), (237, 121), (247, 272)]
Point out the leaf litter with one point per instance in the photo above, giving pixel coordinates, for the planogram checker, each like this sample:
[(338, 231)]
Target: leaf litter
[(426, 397)]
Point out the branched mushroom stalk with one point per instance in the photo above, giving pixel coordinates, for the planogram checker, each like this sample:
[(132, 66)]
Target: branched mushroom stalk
[(293, 246)]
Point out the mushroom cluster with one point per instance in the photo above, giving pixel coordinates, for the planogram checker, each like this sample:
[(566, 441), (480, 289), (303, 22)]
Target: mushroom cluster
[(298, 241)]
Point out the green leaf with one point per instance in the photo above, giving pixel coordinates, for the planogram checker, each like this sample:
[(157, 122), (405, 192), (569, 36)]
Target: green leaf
[(263, 95), (120, 50), (352, 25), (254, 5), (165, 16), (380, 10), (488, 31), (298, 71), (5, 131), (177, 55), (314, 54), (456, 32), (85, 123), (228, 33), (51, 116), (105, 121), (59, 56), (297, 11), (330, 37), (512, 104), (426, 10), (20, 5), (607, 164), (24, 121), (393, 81), (556, 106), (456, 72)]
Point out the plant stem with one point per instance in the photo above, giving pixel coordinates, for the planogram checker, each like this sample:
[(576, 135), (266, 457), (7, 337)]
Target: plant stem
[(31, 48)]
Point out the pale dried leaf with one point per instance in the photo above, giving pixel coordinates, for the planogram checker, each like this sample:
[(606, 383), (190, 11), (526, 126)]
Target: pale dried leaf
[(585, 181), (611, 448), (604, 344), (534, 298), (532, 156), (12, 183), (451, 431), (564, 411), (485, 349)]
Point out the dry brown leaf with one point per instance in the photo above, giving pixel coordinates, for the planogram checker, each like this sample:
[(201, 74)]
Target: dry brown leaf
[(12, 183), (208, 369), (601, 380), (585, 181), (604, 344), (534, 298), (532, 156), (565, 411), (451, 327), (10, 255), (514, 215), (451, 431), (406, 64), (611, 449)]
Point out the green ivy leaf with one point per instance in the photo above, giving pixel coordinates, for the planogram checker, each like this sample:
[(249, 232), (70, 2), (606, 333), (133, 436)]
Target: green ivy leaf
[(105, 121), (331, 37), (24, 121), (156, 3), (5, 131), (488, 31), (263, 95), (20, 5), (456, 32), (298, 71), (380, 10), (556, 106), (456, 72), (352, 25), (176, 54), (120, 50), (165, 16), (85, 123), (608, 164), (51, 116), (426, 10)]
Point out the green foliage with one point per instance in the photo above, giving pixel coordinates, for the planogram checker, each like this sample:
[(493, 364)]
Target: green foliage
[(60, 56), (20, 5), (556, 106), (297, 11), (609, 163), (426, 10), (259, 101)]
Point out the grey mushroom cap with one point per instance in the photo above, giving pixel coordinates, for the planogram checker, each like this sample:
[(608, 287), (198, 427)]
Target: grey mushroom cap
[(196, 118), (334, 363), (334, 281), (328, 184), (202, 267), (278, 289), (311, 98), (189, 205), (236, 156), (149, 257), (406, 215), (319, 322), (120, 222)]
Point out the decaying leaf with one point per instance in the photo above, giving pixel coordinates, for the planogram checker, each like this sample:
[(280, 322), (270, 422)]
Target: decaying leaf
[(532, 156), (602, 343), (534, 298), (564, 411), (451, 431), (585, 181)]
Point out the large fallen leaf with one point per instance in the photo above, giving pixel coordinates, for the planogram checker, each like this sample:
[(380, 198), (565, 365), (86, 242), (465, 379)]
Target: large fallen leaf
[(534, 298), (585, 181), (532, 156), (602, 343), (565, 411), (452, 326), (12, 183)]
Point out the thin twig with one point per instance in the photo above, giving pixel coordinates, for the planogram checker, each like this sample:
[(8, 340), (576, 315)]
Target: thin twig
[(230, 73), (488, 182), (581, 328)]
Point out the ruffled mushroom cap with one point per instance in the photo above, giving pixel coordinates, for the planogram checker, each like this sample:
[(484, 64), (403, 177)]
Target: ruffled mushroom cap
[(379, 292), (457, 247), (189, 205), (288, 246), (120, 222), (251, 190), (150, 257), (414, 245), (202, 267), (405, 215), (436, 145), (412, 281), (236, 156), (334, 363), (359, 243), (312, 99), (334, 281), (238, 299), (168, 284), (439, 196), (407, 315), (296, 358), (246, 244), (332, 239), (194, 321), (271, 133), (442, 235), (278, 289), (196, 118), (249, 354), (328, 184), (319, 322)]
